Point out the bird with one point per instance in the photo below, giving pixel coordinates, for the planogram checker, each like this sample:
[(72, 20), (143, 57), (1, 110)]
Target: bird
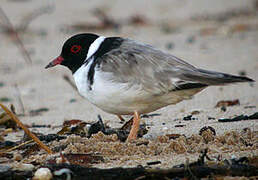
[(122, 76)]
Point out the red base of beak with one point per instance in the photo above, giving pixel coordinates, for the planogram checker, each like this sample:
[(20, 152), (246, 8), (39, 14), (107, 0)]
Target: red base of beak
[(55, 62)]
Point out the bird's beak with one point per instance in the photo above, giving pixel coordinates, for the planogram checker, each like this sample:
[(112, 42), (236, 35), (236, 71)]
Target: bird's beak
[(55, 62)]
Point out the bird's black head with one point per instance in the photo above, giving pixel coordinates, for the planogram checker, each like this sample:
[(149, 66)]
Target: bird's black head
[(74, 51)]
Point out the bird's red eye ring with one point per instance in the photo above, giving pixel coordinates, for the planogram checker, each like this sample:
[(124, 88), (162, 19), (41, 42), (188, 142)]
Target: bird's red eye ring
[(75, 48)]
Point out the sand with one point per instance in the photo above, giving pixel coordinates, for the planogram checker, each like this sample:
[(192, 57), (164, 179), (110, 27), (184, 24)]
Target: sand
[(220, 45)]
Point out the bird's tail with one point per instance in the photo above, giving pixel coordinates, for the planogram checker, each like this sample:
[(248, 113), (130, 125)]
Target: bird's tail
[(217, 78)]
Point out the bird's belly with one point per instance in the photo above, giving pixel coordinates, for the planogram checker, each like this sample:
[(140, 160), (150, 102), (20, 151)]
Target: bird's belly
[(120, 99), (128, 101)]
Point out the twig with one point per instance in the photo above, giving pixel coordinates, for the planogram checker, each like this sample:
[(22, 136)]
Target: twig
[(18, 146), (26, 130), (13, 33)]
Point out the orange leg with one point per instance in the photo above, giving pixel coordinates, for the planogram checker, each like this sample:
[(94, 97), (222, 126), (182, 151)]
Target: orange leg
[(135, 127)]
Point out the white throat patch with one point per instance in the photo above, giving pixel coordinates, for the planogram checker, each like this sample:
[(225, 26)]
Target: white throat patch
[(95, 46)]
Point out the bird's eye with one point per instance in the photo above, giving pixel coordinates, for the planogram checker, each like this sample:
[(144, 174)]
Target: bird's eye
[(75, 48)]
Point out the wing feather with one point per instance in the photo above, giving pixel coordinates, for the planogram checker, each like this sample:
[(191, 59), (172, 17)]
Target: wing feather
[(156, 71)]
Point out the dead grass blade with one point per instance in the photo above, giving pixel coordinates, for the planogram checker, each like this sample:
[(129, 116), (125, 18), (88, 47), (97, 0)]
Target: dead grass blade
[(14, 35), (18, 96), (26, 130), (33, 15), (20, 145)]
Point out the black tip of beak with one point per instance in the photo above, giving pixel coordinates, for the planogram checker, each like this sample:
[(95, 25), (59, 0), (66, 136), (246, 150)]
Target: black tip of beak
[(55, 62), (49, 65)]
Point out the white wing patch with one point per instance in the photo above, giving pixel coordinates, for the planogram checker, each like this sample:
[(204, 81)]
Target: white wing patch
[(95, 46)]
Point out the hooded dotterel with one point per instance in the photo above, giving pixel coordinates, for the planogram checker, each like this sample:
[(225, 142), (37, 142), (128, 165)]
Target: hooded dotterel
[(125, 77)]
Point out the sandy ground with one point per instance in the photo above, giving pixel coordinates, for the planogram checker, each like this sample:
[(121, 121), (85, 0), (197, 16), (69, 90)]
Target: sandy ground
[(221, 50)]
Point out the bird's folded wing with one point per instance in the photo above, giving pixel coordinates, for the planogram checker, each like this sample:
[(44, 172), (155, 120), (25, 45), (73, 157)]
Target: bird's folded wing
[(157, 72)]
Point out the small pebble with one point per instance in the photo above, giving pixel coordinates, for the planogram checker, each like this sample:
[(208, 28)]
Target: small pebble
[(42, 174), (5, 99), (17, 156), (72, 100), (165, 128), (66, 171), (211, 118), (170, 45), (223, 108), (180, 125), (195, 112), (242, 73), (4, 168), (190, 39), (23, 167)]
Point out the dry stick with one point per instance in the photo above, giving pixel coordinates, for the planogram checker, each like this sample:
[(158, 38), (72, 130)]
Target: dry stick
[(18, 146), (14, 35), (26, 130)]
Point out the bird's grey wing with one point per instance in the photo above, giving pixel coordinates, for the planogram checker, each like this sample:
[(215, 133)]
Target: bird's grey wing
[(157, 72)]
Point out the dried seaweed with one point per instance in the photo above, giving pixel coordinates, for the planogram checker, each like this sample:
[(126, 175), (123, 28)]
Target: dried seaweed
[(5, 99), (81, 159), (180, 125), (86, 129), (240, 118), (38, 111), (6, 121), (189, 118), (249, 107), (225, 103), (7, 144), (197, 169), (173, 136), (46, 138), (40, 125), (205, 128), (138, 20), (153, 163), (150, 115)]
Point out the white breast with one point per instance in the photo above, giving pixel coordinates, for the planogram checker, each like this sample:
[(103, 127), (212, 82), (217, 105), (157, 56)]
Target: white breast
[(81, 79)]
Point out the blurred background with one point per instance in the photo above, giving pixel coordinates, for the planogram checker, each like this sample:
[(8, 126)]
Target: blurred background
[(217, 35)]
